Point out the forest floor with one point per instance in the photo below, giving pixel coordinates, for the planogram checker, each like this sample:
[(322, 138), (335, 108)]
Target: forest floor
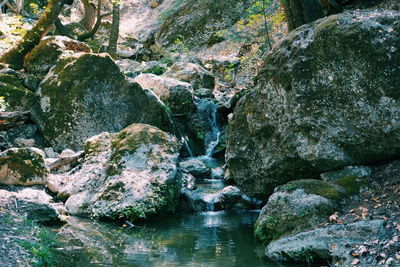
[(380, 200)]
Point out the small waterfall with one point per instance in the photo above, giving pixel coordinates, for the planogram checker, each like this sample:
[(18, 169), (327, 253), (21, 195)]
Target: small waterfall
[(208, 112)]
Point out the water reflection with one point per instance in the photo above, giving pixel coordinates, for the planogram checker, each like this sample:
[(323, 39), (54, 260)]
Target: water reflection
[(204, 239)]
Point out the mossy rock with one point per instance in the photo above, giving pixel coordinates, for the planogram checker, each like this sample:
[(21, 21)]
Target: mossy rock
[(22, 166), (86, 95), (45, 55), (16, 97), (135, 175), (303, 204)]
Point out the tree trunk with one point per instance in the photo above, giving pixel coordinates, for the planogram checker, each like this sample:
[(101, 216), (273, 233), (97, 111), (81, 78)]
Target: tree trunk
[(299, 12), (89, 16), (16, 55), (114, 34)]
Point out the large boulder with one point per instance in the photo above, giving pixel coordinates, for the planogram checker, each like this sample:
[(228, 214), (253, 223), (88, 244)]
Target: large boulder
[(132, 174), (313, 111), (45, 55), (197, 22), (329, 244), (15, 96), (177, 95), (22, 166), (86, 94), (192, 73), (302, 204)]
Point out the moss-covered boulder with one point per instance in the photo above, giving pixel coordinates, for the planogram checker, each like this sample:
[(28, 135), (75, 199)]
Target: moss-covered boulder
[(177, 95), (132, 174), (86, 94), (45, 55), (192, 73), (15, 96), (313, 111), (22, 166), (302, 204), (197, 22)]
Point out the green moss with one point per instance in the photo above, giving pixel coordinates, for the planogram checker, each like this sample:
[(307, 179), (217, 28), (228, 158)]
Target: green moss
[(262, 229), (162, 200), (28, 164), (15, 95), (304, 255), (132, 137), (317, 187), (351, 184)]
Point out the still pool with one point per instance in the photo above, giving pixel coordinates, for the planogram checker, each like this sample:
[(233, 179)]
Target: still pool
[(203, 239)]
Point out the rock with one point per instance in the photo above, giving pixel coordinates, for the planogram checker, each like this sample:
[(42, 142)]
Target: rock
[(192, 73), (86, 94), (349, 171), (22, 166), (196, 23), (325, 244), (189, 181), (36, 205), (177, 95), (204, 93), (16, 97), (302, 204), (217, 173), (196, 167), (132, 174), (133, 68), (22, 142), (50, 153), (313, 111), (46, 54), (204, 199)]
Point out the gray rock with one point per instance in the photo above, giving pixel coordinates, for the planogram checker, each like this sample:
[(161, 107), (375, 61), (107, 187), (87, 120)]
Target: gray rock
[(302, 204), (204, 93), (196, 167), (133, 68), (86, 94), (349, 171), (177, 95), (50, 153), (192, 73), (15, 96), (23, 166), (132, 174), (36, 205), (325, 243), (45, 55), (313, 111)]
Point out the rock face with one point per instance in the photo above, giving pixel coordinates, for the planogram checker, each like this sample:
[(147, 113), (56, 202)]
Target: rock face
[(86, 94), (22, 166), (132, 174), (324, 244), (192, 73), (197, 22), (313, 111), (16, 97), (195, 167), (178, 96), (302, 204), (45, 55)]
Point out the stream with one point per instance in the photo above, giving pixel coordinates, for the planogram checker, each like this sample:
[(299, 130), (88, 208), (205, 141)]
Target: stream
[(206, 238)]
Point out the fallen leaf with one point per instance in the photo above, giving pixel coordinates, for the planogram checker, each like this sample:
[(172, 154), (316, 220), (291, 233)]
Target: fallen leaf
[(362, 250), (355, 262), (375, 199), (334, 217)]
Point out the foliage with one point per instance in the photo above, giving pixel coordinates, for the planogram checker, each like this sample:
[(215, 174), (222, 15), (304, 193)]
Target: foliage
[(3, 104)]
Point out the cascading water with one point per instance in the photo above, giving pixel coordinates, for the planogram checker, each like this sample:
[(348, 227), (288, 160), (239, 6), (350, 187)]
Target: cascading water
[(208, 112)]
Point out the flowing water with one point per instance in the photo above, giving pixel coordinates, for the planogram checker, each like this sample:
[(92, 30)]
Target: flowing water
[(208, 239), (208, 112), (205, 239)]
